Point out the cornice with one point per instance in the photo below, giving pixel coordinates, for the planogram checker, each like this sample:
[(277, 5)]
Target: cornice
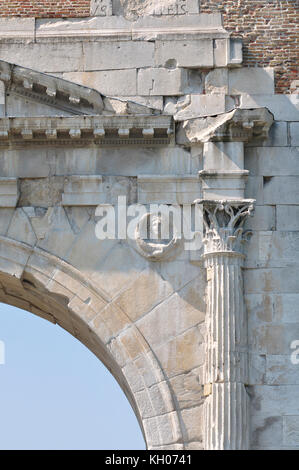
[(101, 130), (239, 125), (50, 90)]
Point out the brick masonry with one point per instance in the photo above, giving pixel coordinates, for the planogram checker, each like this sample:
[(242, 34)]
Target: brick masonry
[(268, 28), (45, 8)]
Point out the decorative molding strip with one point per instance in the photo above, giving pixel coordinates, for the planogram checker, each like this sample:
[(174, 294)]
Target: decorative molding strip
[(160, 27)]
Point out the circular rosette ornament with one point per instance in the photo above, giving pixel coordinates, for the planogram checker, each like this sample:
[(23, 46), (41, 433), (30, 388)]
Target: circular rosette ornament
[(157, 238)]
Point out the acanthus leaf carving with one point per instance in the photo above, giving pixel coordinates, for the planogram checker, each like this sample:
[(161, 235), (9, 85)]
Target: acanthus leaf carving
[(223, 224)]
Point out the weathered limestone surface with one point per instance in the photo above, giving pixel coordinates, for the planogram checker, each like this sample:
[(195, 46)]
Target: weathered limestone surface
[(148, 100)]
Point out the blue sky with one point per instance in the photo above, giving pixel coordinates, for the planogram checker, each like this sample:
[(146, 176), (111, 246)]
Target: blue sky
[(55, 394)]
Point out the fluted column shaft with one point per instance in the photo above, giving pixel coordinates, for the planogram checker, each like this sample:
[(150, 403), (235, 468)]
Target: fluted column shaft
[(226, 369)]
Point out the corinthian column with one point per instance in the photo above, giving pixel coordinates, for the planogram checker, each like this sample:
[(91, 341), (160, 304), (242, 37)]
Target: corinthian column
[(226, 368), (224, 211)]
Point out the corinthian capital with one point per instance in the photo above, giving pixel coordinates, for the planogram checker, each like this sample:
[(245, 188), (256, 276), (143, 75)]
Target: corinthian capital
[(223, 224)]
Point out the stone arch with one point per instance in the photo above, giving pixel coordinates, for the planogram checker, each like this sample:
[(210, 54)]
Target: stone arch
[(47, 286)]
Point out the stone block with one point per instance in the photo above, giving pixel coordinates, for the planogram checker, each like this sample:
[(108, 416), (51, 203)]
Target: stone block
[(162, 81), (44, 57), (20, 228), (281, 190), (260, 308), (280, 280), (168, 189), (170, 105), (133, 162), (273, 249), (144, 294), (149, 369), (173, 22), (291, 430), (101, 8), (152, 102), (281, 371), (170, 8), (179, 273), (255, 188), (185, 352), (268, 339), (278, 400), (266, 431), (9, 192), (192, 54), (221, 52), (216, 82), (287, 217), (40, 192), (117, 55), (110, 82), (257, 368), (201, 106), (58, 234), (278, 137), (283, 107), (266, 161), (223, 156), (251, 80), (164, 428), (222, 187), (286, 308), (17, 27), (115, 186), (175, 7), (113, 318), (134, 377), (294, 131), (264, 218), (154, 401), (235, 52), (187, 389), (193, 420), (82, 191), (178, 314), (5, 216), (2, 99), (133, 343), (195, 82)]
